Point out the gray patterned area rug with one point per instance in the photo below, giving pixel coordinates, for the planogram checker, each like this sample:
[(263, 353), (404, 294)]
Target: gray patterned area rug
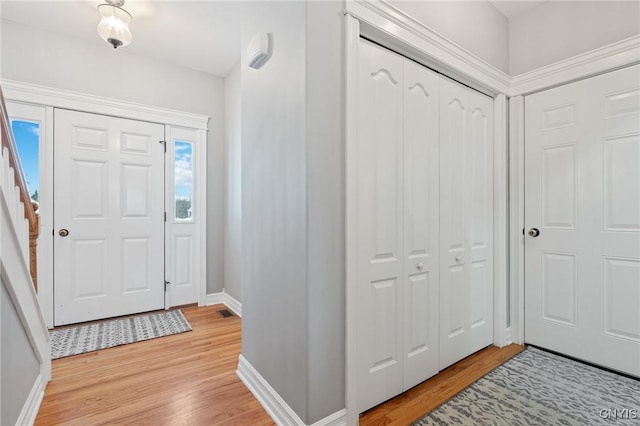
[(92, 337), (539, 388)]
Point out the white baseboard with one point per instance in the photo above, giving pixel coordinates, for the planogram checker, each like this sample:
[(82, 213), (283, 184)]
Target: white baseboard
[(228, 301), (215, 299), (339, 418), (273, 403), (31, 406), (233, 304)]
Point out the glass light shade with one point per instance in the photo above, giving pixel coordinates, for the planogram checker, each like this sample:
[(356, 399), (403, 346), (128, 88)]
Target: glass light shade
[(114, 25)]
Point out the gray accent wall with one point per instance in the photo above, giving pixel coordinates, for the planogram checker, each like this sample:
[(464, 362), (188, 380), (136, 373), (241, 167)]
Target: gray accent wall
[(19, 366), (326, 186), (233, 185), (293, 205)]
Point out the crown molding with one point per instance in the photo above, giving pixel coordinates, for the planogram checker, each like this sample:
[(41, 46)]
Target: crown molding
[(607, 58), (35, 94), (391, 27), (394, 28)]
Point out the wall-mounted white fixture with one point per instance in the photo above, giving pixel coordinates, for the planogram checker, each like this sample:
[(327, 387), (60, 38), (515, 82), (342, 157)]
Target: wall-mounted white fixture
[(114, 23), (259, 50)]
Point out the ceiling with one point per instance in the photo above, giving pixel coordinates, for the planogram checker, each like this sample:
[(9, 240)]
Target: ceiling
[(201, 35), (514, 8)]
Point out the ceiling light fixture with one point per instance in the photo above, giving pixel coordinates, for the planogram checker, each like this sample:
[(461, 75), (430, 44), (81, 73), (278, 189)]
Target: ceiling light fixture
[(114, 23)]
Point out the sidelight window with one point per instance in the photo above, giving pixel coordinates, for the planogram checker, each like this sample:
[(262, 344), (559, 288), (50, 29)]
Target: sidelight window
[(183, 180), (27, 137)]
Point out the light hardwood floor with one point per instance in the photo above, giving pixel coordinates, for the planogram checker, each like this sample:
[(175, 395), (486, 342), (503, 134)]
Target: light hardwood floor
[(416, 402), (189, 379), (183, 379)]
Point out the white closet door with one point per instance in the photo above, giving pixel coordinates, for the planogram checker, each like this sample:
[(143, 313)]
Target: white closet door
[(466, 222), (582, 177), (479, 212), (421, 234), (380, 233)]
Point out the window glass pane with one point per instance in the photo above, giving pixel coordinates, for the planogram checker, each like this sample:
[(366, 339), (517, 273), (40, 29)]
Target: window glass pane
[(183, 179), (27, 136)]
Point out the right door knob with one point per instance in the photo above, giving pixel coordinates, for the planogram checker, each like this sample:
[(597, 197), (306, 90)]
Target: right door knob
[(534, 232)]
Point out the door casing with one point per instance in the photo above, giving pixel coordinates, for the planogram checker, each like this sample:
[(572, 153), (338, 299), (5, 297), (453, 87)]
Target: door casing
[(50, 98)]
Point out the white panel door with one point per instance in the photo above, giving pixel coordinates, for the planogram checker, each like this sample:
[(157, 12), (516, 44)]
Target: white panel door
[(582, 194), (421, 233), (466, 222), (109, 197), (379, 228)]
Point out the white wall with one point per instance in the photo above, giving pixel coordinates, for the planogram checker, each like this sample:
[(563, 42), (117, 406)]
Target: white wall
[(476, 26), (44, 58), (557, 30), (19, 366), (233, 186)]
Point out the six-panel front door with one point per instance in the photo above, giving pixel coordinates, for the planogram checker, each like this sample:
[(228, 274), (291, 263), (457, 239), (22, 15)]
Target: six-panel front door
[(108, 217), (582, 215)]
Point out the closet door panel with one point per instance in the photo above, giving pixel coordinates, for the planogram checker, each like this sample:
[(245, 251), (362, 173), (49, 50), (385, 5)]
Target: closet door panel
[(380, 217), (454, 190), (480, 220), (421, 290), (466, 222)]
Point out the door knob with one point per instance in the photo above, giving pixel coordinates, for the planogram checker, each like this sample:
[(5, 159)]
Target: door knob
[(63, 232), (534, 232), (419, 266)]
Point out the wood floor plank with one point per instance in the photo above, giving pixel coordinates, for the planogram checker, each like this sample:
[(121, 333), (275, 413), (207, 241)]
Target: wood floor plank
[(190, 379), (416, 402), (187, 378)]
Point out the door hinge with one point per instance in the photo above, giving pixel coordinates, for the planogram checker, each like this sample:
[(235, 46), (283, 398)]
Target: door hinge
[(166, 283), (165, 216), (164, 143)]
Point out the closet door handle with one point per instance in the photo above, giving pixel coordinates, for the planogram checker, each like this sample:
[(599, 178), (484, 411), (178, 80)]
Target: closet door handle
[(419, 266)]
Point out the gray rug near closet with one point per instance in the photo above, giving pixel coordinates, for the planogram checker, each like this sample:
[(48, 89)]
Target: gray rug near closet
[(539, 388)]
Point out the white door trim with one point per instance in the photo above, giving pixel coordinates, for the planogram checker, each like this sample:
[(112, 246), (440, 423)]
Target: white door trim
[(501, 329), (516, 217), (352, 38), (59, 98), (52, 98)]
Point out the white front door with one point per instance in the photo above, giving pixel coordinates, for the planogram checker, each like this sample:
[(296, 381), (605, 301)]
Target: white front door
[(466, 222), (108, 217), (582, 216)]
